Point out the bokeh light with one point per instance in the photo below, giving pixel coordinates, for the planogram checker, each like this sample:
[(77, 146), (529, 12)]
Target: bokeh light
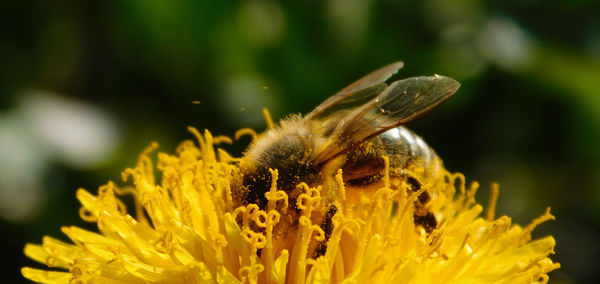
[(42, 129)]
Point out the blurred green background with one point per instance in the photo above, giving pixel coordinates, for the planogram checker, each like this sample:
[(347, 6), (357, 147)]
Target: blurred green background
[(86, 85)]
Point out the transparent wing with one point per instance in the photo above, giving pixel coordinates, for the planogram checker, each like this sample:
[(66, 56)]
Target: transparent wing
[(400, 103), (358, 92)]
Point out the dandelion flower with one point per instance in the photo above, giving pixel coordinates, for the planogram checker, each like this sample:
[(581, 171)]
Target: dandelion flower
[(186, 228)]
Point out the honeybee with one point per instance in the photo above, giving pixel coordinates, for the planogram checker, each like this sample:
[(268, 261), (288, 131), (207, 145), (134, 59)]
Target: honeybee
[(352, 130)]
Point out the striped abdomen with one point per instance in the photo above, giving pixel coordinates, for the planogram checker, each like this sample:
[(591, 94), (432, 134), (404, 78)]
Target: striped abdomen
[(408, 151)]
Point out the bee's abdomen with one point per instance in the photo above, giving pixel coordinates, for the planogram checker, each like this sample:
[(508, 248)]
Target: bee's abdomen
[(414, 161), (408, 155), (406, 150)]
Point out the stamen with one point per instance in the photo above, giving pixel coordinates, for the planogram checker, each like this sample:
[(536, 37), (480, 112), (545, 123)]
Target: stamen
[(268, 119), (491, 208)]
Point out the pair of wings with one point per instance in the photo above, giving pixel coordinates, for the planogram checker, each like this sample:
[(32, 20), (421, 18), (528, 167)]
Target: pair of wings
[(369, 107)]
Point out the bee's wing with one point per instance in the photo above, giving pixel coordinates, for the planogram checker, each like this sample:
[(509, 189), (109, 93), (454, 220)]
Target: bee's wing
[(360, 91), (400, 103)]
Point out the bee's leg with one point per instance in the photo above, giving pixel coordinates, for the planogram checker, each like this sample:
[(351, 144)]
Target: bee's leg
[(327, 226), (422, 216)]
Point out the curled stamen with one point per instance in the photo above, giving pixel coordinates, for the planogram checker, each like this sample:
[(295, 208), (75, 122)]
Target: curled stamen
[(245, 132), (256, 240)]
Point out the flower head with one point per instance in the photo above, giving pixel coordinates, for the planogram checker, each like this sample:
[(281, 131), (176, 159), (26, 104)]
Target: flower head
[(186, 227)]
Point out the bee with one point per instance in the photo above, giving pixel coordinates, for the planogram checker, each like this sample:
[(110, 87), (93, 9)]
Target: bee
[(352, 130)]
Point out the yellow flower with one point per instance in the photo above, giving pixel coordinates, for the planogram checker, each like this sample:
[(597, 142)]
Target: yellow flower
[(186, 228)]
